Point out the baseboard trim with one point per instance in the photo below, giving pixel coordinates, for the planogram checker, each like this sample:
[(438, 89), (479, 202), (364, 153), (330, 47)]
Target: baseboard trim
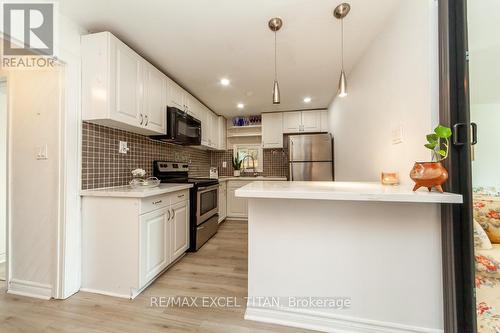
[(105, 293), (30, 289), (322, 322)]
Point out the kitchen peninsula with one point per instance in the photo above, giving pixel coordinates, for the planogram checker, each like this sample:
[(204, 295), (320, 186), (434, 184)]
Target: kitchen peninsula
[(378, 246)]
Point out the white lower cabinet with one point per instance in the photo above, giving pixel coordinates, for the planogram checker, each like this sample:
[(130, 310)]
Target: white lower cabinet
[(179, 230), (237, 208), (222, 201), (128, 242)]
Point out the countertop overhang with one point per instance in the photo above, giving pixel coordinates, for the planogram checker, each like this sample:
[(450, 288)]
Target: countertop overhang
[(129, 192), (343, 191), (259, 178)]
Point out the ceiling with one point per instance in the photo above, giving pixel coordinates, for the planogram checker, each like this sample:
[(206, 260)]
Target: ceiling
[(199, 42)]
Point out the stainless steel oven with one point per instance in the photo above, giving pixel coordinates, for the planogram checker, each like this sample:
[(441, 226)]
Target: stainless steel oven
[(207, 199)]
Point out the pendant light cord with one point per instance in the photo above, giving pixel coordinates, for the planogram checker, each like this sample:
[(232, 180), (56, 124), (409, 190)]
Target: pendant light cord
[(342, 42), (275, 61)]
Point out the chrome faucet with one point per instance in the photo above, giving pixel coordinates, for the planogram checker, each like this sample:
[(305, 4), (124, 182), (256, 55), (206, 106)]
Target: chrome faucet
[(253, 164)]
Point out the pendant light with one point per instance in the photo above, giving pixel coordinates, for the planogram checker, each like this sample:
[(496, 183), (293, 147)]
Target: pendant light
[(340, 13), (275, 24)]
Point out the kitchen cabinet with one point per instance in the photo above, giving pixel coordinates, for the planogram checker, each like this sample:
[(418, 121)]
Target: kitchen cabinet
[(221, 133), (128, 242), (214, 131), (325, 126), (176, 96), (272, 130), (119, 88), (222, 201), (302, 121), (179, 230), (237, 208)]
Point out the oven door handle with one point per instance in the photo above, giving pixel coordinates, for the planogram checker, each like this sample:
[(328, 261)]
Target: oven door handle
[(208, 188)]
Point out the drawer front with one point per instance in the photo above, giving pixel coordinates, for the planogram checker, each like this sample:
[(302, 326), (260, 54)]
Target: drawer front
[(179, 196), (153, 203)]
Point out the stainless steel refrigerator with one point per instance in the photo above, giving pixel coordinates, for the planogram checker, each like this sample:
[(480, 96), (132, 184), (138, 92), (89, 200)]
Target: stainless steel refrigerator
[(311, 157)]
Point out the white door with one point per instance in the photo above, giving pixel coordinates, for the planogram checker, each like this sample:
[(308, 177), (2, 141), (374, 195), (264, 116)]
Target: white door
[(272, 130), (179, 229), (175, 95), (154, 236), (292, 122), (156, 100), (236, 207), (129, 86), (311, 121)]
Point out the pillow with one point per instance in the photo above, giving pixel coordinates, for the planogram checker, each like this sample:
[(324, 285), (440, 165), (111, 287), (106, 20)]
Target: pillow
[(481, 240), (487, 266), (487, 214)]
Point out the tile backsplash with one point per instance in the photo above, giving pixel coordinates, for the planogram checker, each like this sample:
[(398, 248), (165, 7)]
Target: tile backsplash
[(103, 166), (275, 162)]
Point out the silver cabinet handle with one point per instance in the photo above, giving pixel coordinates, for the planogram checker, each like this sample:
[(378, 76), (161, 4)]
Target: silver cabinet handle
[(173, 214), (180, 196), (168, 218), (291, 160), (157, 202), (147, 120), (142, 118)]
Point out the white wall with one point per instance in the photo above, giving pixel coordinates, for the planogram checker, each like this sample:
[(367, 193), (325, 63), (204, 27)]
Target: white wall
[(44, 222), (395, 83), (3, 170)]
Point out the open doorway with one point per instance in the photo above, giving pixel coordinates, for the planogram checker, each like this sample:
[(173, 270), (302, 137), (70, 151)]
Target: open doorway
[(483, 20), (3, 178)]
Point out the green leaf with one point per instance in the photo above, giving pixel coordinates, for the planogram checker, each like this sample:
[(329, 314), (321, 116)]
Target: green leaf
[(430, 146), (432, 138), (443, 132), (442, 152)]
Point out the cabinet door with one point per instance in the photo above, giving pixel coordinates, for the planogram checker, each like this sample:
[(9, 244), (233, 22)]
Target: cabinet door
[(205, 128), (129, 86), (222, 202), (236, 207), (179, 229), (272, 130), (222, 133), (214, 130), (311, 121), (175, 96), (292, 122), (154, 239), (156, 104), (325, 126), (194, 106)]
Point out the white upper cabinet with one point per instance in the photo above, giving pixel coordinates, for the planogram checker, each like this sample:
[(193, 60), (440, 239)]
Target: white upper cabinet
[(325, 126), (292, 122), (222, 133), (214, 131), (156, 99), (303, 121), (272, 133), (115, 82), (175, 96), (311, 121)]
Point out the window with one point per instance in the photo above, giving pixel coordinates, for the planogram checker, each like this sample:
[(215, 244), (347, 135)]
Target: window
[(252, 150)]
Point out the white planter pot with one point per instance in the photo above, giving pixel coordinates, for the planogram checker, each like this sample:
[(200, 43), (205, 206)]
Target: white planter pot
[(237, 173)]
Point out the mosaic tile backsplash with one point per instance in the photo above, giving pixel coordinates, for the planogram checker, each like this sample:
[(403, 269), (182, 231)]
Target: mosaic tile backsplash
[(103, 166), (275, 162)]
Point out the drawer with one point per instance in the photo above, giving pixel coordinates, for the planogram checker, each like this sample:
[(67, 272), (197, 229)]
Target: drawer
[(179, 196), (153, 203)]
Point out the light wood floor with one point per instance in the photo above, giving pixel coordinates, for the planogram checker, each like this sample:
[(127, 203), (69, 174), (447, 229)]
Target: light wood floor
[(218, 269)]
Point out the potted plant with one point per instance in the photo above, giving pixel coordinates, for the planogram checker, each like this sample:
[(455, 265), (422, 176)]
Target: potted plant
[(433, 174), (237, 162)]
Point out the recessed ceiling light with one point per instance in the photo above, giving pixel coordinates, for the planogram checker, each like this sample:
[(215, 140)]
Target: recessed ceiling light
[(240, 105), (307, 100), (225, 82)]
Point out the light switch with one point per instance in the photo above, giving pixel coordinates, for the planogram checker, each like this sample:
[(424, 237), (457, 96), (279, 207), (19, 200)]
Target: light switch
[(397, 135), (123, 147), (224, 164), (41, 152)]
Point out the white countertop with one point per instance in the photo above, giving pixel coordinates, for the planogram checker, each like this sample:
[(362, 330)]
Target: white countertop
[(129, 192), (343, 191), (260, 178)]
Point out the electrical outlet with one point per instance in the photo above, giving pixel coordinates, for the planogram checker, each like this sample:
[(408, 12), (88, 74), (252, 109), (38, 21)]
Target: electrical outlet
[(397, 135), (224, 164), (123, 147)]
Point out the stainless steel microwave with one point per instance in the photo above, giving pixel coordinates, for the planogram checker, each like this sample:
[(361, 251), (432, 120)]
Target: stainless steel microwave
[(182, 128)]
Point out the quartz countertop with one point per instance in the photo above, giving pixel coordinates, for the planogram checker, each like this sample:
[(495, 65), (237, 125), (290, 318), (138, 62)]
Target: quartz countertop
[(259, 178), (129, 192), (343, 191)]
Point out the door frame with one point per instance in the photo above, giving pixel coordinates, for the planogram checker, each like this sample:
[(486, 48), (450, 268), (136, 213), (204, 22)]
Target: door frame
[(457, 229)]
